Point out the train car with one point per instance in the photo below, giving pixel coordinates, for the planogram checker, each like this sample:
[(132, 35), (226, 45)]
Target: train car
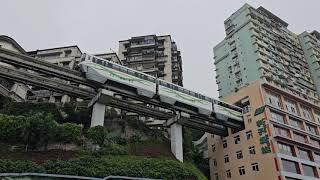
[(225, 111), (176, 95), (106, 72)]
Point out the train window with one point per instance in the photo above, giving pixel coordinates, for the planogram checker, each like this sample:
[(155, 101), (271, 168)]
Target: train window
[(109, 65), (99, 61), (145, 77), (130, 72), (94, 59), (192, 93), (115, 67), (186, 91), (163, 83), (151, 79), (122, 69)]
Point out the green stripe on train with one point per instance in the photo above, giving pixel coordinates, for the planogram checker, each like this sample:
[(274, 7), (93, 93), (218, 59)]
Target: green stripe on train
[(185, 97), (120, 76)]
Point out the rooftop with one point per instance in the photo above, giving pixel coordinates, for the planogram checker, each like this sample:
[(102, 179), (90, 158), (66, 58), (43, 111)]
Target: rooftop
[(272, 16)]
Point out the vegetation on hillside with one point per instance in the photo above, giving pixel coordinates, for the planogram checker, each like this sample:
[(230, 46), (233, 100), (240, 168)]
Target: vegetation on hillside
[(133, 166), (35, 126)]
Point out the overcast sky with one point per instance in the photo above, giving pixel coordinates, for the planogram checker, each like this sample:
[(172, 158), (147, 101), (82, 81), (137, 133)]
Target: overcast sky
[(97, 25)]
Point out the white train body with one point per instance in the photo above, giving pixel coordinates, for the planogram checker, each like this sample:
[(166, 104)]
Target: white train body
[(102, 71), (171, 94), (224, 111)]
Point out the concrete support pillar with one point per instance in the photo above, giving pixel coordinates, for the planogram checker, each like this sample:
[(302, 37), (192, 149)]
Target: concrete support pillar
[(52, 99), (65, 99), (98, 112), (176, 141)]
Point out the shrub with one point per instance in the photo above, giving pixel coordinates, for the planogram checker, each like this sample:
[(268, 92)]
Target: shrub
[(136, 138), (113, 149), (7, 166), (25, 108), (98, 134), (124, 166), (29, 130), (36, 130), (66, 133), (133, 166)]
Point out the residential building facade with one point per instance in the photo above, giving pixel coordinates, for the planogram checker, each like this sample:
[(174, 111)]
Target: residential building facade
[(273, 74), (310, 43), (154, 55), (258, 45), (281, 139)]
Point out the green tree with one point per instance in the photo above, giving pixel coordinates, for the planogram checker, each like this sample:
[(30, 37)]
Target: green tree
[(66, 133), (12, 128), (37, 132), (98, 134)]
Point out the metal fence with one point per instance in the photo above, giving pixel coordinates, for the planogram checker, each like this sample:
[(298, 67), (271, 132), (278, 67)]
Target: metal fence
[(38, 176)]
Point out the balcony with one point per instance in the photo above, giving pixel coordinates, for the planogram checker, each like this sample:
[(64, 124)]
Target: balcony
[(142, 44)]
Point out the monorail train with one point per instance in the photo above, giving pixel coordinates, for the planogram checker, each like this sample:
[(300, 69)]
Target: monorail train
[(103, 71)]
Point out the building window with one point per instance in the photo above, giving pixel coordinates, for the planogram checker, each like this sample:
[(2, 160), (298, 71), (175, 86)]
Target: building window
[(252, 150), (304, 154), (67, 53), (255, 167), (311, 129), (290, 166), (308, 170), (318, 116), (281, 131), (306, 113), (239, 155), (315, 143), (237, 139), (224, 144), (249, 135), (317, 158), (277, 117), (215, 162), (296, 123), (290, 106), (228, 172), (299, 137), (226, 158), (285, 149), (273, 99), (242, 171), (216, 176)]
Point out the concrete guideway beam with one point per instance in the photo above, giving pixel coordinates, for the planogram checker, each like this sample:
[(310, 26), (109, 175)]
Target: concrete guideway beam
[(44, 67), (108, 98), (47, 83)]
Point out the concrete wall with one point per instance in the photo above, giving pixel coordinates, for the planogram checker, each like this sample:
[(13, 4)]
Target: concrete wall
[(267, 169)]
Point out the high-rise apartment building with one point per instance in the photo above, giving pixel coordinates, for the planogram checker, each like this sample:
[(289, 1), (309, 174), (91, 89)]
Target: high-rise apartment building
[(154, 55), (310, 43), (274, 75), (258, 45)]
